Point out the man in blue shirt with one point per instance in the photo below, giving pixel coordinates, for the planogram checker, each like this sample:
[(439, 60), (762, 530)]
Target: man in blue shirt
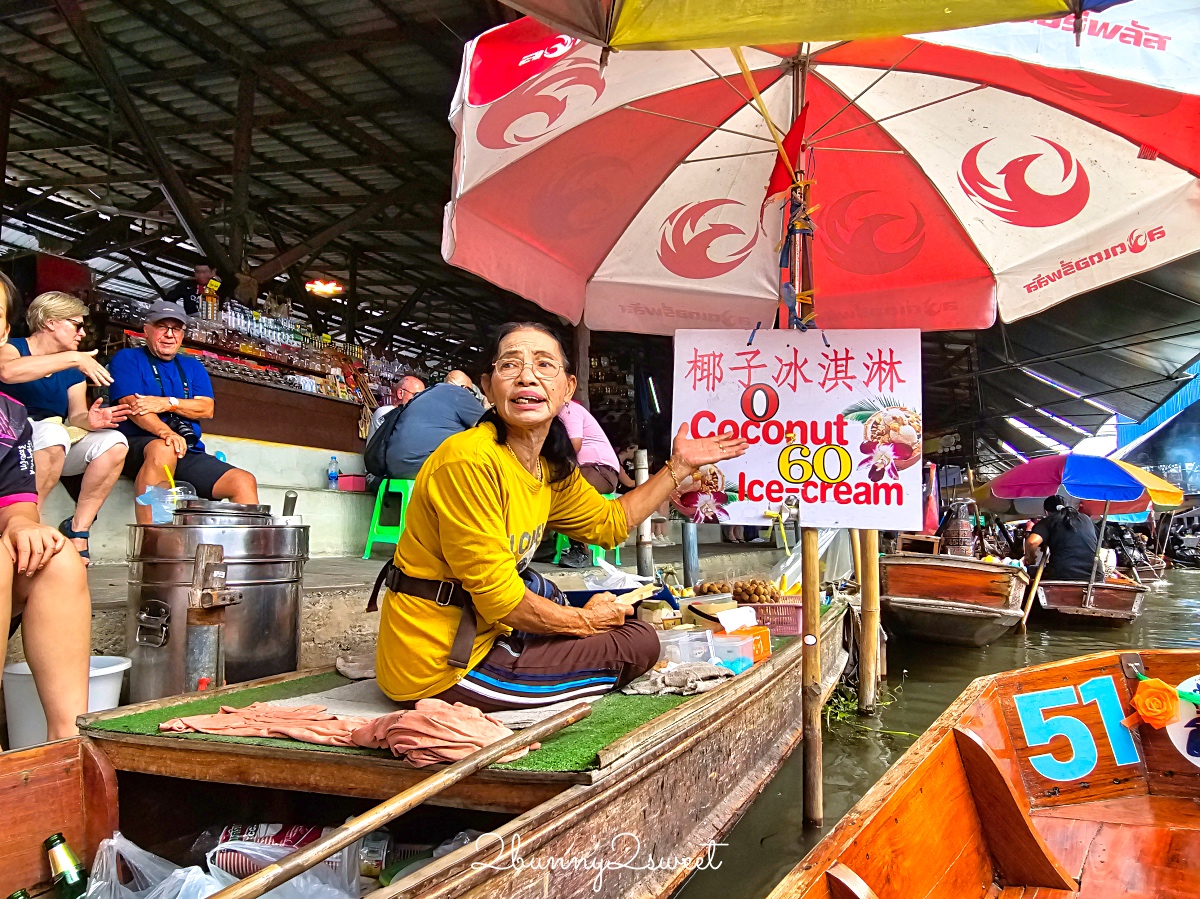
[(168, 395), (429, 418)]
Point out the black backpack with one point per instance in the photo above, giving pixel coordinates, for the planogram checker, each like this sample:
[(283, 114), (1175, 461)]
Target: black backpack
[(375, 457)]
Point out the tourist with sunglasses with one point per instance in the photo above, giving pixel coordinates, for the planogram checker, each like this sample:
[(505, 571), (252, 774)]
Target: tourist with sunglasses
[(49, 375), (168, 395)]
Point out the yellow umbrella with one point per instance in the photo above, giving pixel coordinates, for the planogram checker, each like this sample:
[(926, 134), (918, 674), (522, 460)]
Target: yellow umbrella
[(1163, 494), (696, 24)]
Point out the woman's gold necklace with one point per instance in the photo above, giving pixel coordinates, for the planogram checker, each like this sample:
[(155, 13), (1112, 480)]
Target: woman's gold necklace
[(518, 461)]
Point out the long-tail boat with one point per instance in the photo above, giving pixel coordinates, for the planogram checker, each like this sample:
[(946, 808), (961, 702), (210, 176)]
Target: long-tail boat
[(669, 787), (950, 599), (1150, 567), (1116, 603), (1030, 786)]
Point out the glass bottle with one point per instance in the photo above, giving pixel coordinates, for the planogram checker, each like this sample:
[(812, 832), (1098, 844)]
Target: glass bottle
[(70, 877)]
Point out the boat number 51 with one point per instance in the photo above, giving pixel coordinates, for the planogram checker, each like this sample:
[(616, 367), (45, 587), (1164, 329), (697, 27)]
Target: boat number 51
[(1040, 729)]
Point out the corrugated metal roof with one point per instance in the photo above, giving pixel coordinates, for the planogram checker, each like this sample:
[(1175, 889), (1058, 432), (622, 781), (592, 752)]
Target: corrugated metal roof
[(350, 103)]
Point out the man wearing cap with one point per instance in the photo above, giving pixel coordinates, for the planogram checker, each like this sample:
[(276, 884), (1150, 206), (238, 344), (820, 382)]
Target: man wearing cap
[(168, 395)]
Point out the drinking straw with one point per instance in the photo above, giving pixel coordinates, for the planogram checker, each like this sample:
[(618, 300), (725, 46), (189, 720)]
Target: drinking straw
[(170, 477)]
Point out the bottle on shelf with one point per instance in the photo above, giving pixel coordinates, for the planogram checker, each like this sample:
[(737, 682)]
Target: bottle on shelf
[(70, 877), (332, 473)]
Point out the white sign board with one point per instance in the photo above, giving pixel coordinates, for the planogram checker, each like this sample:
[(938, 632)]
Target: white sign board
[(833, 419)]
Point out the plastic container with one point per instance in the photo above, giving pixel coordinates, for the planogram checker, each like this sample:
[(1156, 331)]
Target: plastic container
[(162, 500), (728, 647), (761, 636), (699, 645), (673, 645), (27, 721)]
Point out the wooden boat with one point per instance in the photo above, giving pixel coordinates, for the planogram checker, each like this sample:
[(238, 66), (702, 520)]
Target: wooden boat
[(1115, 602), (950, 599), (672, 787), (1028, 786), (1149, 569)]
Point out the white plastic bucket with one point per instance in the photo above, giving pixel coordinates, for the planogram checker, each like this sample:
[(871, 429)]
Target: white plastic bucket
[(27, 721)]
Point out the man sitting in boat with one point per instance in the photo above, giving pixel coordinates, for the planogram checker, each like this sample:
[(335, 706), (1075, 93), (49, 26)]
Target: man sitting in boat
[(479, 508), (1070, 537)]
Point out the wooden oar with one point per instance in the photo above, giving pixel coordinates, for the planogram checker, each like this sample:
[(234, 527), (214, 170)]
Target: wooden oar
[(1033, 588), (314, 853)]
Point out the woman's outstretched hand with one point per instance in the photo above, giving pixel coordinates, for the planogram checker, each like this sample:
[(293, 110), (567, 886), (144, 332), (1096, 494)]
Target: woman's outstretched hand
[(694, 452)]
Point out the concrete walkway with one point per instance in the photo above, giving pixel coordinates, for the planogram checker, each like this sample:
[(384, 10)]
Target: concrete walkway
[(333, 620)]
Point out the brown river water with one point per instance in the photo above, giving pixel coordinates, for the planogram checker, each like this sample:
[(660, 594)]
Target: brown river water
[(923, 679)]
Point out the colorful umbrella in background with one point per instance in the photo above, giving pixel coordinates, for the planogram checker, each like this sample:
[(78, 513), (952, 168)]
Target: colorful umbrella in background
[(695, 24), (944, 183), (1094, 480)]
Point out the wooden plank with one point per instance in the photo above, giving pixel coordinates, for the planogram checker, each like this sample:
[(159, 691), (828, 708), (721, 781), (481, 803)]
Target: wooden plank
[(1104, 778), (41, 793), (1142, 863), (1020, 854), (1068, 838), (316, 772), (99, 798), (1146, 811)]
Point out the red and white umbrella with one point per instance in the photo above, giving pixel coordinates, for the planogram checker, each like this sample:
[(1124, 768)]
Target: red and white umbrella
[(949, 183)]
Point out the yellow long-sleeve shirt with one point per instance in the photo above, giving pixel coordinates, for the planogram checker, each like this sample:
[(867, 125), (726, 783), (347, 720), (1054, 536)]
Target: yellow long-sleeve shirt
[(475, 516)]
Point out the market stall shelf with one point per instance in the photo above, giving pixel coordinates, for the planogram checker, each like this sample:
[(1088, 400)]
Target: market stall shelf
[(674, 783), (950, 599), (1117, 603), (980, 806)]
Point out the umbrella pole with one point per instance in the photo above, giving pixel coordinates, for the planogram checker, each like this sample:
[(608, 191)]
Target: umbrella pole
[(1087, 599)]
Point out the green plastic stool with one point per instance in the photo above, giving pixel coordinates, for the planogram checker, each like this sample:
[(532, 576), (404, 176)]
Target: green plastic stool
[(562, 543), (378, 533)]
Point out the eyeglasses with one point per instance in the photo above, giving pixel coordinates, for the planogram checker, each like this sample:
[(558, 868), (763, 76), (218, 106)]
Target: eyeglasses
[(78, 325), (170, 329), (544, 369)]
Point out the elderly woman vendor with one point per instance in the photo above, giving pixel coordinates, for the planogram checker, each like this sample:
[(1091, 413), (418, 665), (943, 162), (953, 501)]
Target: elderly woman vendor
[(459, 622)]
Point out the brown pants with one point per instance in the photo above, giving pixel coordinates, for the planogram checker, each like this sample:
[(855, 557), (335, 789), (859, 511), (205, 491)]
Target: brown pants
[(603, 478), (526, 672)]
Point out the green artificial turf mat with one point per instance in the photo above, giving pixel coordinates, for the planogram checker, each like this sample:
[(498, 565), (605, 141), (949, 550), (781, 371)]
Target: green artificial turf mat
[(147, 722), (574, 748)]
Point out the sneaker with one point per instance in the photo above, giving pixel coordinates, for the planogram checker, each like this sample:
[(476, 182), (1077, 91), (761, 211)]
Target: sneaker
[(757, 540), (575, 558)]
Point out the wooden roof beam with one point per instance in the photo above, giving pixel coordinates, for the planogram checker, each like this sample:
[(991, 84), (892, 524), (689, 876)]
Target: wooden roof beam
[(177, 193)]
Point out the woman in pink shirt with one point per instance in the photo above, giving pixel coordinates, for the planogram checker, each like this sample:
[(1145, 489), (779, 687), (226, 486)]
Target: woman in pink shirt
[(598, 465)]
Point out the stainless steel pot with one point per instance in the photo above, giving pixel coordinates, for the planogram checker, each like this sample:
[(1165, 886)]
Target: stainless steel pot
[(211, 512), (262, 632)]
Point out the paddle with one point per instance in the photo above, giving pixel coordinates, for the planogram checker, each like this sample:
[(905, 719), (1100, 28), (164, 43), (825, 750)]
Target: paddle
[(1033, 588), (314, 853)]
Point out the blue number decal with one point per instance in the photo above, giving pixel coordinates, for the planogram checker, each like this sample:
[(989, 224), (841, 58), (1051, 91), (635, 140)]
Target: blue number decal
[(1040, 730), (1103, 692)]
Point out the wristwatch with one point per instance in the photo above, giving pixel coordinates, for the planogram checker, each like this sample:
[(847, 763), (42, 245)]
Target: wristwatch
[(173, 401)]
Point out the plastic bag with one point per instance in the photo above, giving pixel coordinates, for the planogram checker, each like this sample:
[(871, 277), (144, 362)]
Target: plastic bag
[(148, 876), (614, 578), (837, 562), (326, 881)]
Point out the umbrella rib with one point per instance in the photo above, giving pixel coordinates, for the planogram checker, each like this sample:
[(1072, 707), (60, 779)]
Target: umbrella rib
[(734, 156), (858, 150), (746, 101), (896, 115), (675, 118), (850, 103)]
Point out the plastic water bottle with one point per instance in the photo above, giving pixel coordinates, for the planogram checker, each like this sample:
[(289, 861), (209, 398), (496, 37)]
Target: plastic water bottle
[(332, 471)]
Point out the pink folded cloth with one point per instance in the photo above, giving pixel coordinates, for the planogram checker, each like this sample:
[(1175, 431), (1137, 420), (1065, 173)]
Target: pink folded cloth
[(307, 723), (433, 732)]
